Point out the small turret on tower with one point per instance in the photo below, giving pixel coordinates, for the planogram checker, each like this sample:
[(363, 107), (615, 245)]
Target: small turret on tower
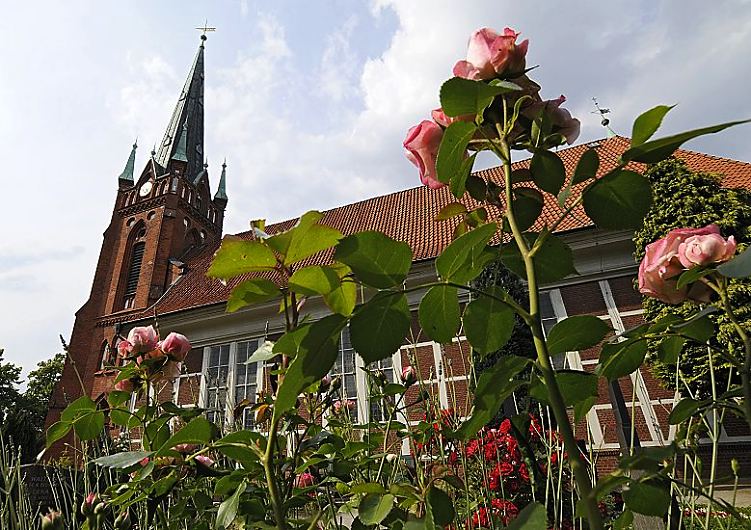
[(220, 198), (126, 177)]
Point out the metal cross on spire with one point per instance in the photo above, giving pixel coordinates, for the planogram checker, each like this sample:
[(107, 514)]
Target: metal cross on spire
[(205, 29)]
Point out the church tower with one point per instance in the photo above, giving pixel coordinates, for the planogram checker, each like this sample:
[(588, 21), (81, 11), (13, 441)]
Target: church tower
[(160, 218)]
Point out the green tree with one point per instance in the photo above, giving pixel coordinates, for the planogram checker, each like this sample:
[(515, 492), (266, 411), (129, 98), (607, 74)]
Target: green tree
[(10, 379), (42, 382), (684, 198)]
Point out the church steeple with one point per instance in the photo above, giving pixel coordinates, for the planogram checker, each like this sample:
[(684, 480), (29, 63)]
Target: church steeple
[(220, 198), (183, 138), (126, 177)]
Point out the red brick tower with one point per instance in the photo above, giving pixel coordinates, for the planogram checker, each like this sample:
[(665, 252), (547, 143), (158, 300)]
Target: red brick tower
[(159, 219)]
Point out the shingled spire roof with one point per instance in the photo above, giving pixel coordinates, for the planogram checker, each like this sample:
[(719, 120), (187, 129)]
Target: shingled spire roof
[(185, 130), (221, 192), (127, 173)]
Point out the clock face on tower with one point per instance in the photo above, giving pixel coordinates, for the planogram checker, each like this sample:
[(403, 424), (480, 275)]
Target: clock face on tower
[(145, 189)]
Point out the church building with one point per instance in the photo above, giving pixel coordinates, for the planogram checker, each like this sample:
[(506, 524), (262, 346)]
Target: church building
[(166, 225)]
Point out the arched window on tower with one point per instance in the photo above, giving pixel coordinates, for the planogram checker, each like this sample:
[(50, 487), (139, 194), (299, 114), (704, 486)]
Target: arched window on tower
[(106, 356), (198, 202), (134, 268)]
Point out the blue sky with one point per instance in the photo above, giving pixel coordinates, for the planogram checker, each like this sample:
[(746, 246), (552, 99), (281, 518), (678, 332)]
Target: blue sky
[(308, 101)]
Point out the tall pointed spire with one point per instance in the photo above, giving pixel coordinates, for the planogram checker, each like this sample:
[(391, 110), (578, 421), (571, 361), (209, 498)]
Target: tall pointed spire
[(127, 173), (221, 192), (184, 134)]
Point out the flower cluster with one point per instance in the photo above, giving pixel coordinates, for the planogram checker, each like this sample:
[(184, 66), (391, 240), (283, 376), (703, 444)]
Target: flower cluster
[(159, 359), (680, 250), (491, 56)]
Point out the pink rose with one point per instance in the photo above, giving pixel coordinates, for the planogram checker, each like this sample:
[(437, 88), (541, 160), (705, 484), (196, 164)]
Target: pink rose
[(176, 346), (444, 121), (126, 385), (143, 339), (305, 480), (124, 348), (706, 249), (409, 376), (490, 55), (421, 146), (205, 460), (563, 123), (53, 520), (661, 266)]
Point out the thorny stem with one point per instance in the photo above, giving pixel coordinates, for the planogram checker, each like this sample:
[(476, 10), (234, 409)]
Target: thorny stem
[(555, 397), (746, 371)]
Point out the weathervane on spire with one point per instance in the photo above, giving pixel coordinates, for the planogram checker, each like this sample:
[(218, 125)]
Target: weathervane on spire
[(605, 122), (205, 29)]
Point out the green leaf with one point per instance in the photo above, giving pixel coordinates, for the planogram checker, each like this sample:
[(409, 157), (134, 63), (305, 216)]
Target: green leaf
[(576, 387), (460, 96), (458, 184), (692, 275), (647, 498), (619, 200), (494, 386), (304, 239), (488, 322), (476, 187), (89, 425), (464, 259), (441, 506), (587, 167), (228, 509), (554, 261), (670, 348), (439, 313), (378, 327), (57, 431), (699, 327), (453, 149), (683, 410), (118, 397), (265, 352), (254, 291), (82, 405), (198, 431), (548, 171), (619, 359), (315, 347), (376, 259), (738, 267), (122, 460), (648, 123), (576, 333), (532, 517), (240, 445), (342, 300), (374, 508), (237, 256), (660, 149), (313, 280), (451, 210), (527, 207)]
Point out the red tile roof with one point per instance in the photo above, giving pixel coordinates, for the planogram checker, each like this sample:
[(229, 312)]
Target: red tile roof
[(408, 216)]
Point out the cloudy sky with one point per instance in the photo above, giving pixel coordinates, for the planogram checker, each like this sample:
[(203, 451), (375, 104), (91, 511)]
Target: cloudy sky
[(308, 101)]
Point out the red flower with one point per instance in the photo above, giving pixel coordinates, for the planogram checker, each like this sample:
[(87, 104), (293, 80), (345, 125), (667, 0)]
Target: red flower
[(506, 510), (505, 427), (524, 472), (481, 517), (472, 448), (504, 469)]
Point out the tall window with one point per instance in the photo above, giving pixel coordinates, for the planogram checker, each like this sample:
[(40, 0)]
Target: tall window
[(549, 319), (134, 271), (377, 407), (217, 378), (246, 380), (345, 368)]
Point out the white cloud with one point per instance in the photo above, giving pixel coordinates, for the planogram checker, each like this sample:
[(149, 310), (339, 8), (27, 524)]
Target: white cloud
[(337, 75)]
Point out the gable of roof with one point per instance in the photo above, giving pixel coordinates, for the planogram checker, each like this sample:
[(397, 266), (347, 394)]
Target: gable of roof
[(409, 216)]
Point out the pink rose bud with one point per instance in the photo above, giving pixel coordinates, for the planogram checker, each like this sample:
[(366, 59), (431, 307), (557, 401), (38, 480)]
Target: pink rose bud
[(562, 121), (204, 460), (52, 521), (409, 376), (705, 250), (325, 384), (176, 346), (126, 385), (305, 480), (143, 339), (337, 405), (490, 55), (351, 405), (91, 500), (421, 145), (124, 348), (185, 448), (444, 121)]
